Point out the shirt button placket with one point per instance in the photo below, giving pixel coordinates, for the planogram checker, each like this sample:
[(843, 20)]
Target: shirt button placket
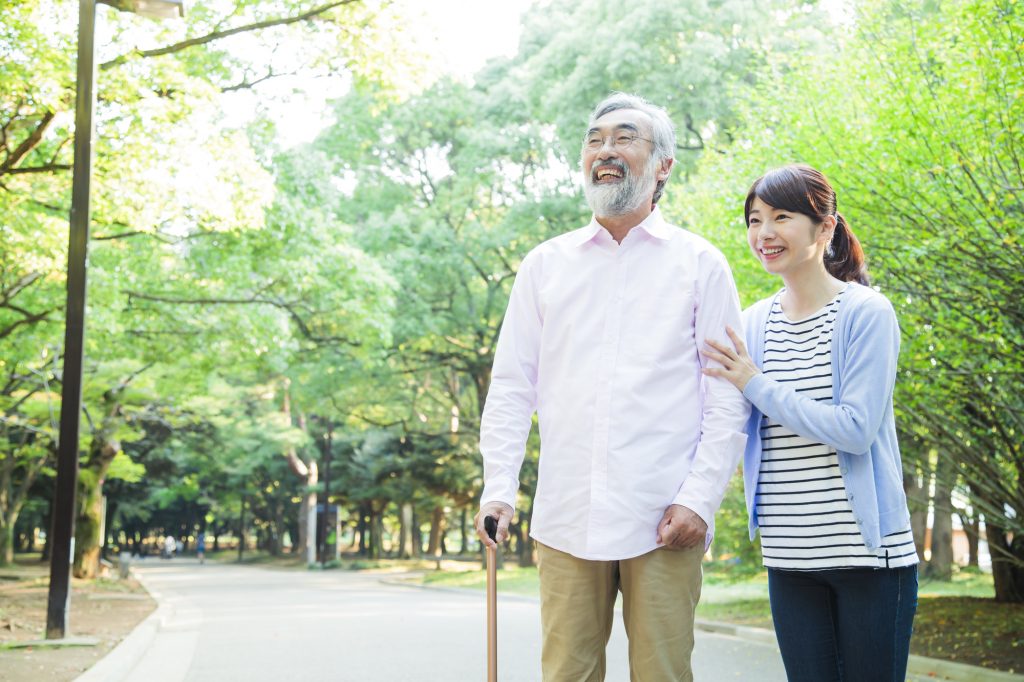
[(602, 414)]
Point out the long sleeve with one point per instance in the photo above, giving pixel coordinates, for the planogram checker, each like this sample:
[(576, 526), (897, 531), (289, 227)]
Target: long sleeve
[(868, 374), (724, 409), (512, 396)]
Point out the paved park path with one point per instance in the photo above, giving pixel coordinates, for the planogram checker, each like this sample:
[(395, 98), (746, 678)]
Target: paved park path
[(219, 622)]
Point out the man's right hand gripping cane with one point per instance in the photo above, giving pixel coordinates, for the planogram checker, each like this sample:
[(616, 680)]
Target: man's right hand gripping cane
[(500, 511)]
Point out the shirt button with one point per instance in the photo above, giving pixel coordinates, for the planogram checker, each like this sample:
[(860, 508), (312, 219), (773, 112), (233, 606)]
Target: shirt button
[(860, 522), (843, 470), (850, 498)]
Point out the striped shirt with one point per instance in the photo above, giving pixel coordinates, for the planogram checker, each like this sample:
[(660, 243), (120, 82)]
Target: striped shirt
[(803, 512)]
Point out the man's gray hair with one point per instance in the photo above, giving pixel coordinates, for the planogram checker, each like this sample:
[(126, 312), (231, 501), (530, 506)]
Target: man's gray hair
[(663, 132)]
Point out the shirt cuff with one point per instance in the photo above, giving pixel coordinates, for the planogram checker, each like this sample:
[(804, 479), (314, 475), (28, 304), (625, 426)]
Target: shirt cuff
[(698, 507), (500, 489)]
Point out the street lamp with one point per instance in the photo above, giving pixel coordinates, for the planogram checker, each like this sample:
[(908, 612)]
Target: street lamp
[(74, 327)]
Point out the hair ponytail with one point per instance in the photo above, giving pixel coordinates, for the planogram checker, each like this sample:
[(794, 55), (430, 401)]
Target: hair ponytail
[(844, 258)]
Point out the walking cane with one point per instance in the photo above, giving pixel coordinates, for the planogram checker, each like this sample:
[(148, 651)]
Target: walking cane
[(491, 526)]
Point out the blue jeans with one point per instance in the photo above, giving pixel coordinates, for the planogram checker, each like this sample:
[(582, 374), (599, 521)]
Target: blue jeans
[(846, 625)]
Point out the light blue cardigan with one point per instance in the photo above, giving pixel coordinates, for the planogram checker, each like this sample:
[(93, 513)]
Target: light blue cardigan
[(859, 423)]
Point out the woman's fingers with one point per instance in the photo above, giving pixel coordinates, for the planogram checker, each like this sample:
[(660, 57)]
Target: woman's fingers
[(737, 340), (721, 348), (717, 357)]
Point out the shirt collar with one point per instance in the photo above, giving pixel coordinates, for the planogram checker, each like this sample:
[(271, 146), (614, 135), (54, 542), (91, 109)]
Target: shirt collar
[(653, 224)]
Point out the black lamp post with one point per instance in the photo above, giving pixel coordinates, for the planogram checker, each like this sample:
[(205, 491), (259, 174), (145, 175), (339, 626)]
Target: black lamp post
[(61, 551)]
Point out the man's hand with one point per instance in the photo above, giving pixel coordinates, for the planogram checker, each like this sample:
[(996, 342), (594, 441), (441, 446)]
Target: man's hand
[(500, 511), (681, 528)]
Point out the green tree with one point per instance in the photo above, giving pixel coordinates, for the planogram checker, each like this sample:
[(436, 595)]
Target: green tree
[(915, 120)]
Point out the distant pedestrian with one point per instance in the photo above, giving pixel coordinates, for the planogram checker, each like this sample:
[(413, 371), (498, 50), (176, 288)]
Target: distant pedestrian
[(822, 471), (201, 547), (169, 546)]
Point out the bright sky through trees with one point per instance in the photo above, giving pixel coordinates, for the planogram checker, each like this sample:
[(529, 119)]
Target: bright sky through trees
[(458, 35)]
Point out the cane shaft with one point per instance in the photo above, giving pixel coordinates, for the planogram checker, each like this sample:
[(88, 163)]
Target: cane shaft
[(492, 616)]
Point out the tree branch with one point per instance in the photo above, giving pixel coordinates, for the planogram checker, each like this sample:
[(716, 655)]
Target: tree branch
[(48, 168), (27, 145), (290, 308), (218, 35)]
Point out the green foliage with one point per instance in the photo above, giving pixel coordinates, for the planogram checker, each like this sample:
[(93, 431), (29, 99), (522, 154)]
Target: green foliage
[(243, 297)]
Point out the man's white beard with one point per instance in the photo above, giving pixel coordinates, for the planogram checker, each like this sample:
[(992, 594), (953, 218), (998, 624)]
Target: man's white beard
[(623, 197)]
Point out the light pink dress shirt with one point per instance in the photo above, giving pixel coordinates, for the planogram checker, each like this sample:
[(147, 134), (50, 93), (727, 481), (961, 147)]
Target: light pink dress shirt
[(601, 340)]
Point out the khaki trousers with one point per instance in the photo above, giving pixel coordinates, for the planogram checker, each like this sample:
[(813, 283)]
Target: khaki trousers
[(660, 591)]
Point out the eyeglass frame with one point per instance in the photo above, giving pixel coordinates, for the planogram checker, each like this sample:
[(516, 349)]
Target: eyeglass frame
[(616, 138)]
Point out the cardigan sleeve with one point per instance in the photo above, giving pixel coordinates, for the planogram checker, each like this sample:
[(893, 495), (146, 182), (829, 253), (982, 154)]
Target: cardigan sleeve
[(867, 372)]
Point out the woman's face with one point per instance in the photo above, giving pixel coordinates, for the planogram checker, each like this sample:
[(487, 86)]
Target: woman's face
[(784, 241)]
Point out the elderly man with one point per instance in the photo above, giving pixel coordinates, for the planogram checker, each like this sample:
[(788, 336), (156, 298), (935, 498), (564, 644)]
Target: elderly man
[(602, 338)]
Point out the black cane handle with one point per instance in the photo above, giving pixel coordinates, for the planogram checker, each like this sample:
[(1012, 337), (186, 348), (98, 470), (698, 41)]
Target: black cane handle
[(491, 526)]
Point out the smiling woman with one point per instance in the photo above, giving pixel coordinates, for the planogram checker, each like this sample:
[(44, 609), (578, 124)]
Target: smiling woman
[(822, 470)]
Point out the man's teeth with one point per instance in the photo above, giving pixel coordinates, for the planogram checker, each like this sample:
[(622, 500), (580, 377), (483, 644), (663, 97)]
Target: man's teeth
[(771, 250), (606, 172)]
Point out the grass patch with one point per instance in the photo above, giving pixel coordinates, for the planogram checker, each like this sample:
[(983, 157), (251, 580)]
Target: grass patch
[(511, 579), (753, 612), (967, 582), (970, 630)]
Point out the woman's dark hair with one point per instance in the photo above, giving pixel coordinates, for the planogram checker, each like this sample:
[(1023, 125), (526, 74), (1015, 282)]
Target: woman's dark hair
[(802, 189)]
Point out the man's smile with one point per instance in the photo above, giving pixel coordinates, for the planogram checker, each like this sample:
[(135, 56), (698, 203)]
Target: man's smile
[(608, 172)]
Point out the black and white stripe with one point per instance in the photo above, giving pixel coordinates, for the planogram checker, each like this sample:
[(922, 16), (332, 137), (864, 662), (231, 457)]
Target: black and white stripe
[(802, 508)]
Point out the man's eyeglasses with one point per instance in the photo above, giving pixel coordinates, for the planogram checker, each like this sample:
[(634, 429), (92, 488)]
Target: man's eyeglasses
[(620, 141)]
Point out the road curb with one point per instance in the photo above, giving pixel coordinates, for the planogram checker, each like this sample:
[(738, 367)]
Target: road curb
[(934, 668), (120, 660), (961, 672)]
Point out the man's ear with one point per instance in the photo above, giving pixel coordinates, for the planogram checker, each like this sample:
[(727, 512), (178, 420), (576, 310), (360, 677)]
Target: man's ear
[(664, 169)]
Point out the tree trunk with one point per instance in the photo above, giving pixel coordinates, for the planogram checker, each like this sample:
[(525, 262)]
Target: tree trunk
[(364, 529), (940, 565), (526, 556), (464, 531), (515, 532), (13, 494), (405, 532), (89, 521), (103, 447), (917, 501), (308, 471), (276, 529), (7, 541), (973, 531), (437, 527), (417, 535), (1007, 564), (376, 534)]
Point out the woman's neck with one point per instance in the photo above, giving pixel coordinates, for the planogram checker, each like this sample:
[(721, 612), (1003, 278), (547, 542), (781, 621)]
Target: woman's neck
[(808, 292)]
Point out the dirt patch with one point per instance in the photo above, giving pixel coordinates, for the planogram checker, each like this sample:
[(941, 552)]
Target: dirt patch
[(105, 609)]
